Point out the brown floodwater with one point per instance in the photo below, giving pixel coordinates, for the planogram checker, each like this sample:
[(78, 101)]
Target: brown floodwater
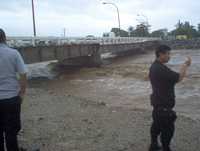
[(123, 82)]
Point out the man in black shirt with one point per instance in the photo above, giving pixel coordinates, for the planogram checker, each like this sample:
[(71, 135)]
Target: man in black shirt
[(163, 81)]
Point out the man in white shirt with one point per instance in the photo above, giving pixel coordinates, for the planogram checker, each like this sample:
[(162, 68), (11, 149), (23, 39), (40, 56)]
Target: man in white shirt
[(12, 89)]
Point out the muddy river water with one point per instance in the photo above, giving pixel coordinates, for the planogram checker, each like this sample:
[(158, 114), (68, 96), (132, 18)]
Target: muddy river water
[(123, 82)]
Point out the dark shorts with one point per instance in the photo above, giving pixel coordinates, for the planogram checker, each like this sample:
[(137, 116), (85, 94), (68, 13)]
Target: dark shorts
[(10, 114)]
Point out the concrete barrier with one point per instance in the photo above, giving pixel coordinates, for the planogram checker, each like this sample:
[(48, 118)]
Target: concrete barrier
[(62, 53), (130, 48), (183, 44)]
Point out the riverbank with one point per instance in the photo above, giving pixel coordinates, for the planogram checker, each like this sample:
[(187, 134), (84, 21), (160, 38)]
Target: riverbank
[(54, 120)]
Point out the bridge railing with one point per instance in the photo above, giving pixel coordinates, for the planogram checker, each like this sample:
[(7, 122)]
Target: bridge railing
[(121, 40), (35, 41)]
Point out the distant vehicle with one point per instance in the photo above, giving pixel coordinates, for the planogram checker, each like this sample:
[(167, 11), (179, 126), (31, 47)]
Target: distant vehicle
[(90, 36)]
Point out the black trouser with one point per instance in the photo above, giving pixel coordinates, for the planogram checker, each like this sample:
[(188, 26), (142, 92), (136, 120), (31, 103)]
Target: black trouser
[(9, 123), (163, 125)]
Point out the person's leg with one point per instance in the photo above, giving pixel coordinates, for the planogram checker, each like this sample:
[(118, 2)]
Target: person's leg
[(1, 127), (155, 132), (167, 133), (13, 124), (1, 141), (11, 141)]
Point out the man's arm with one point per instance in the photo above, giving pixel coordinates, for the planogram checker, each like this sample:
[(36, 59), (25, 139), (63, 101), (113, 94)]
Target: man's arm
[(21, 70), (23, 84), (184, 68)]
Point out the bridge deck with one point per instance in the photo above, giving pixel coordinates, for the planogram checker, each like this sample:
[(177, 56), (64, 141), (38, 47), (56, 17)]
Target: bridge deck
[(80, 49)]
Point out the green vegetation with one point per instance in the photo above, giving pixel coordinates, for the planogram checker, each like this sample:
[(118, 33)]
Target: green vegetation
[(182, 30)]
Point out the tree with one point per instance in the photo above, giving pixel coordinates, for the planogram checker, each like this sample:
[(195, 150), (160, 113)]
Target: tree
[(198, 26), (123, 33), (141, 30), (185, 29), (131, 31), (159, 33), (116, 31)]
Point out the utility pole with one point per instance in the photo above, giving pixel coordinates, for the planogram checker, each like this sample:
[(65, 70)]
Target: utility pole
[(33, 13), (64, 32)]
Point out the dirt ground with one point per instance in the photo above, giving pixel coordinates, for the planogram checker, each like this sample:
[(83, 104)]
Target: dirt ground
[(99, 109)]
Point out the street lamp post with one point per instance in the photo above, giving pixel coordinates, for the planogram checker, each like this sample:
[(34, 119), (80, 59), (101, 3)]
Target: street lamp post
[(117, 15), (33, 13)]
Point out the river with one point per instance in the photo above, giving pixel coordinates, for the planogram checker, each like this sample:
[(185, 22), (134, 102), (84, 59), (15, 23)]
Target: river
[(123, 82)]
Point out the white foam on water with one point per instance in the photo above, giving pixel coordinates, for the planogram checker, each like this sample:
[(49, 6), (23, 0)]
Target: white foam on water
[(41, 70)]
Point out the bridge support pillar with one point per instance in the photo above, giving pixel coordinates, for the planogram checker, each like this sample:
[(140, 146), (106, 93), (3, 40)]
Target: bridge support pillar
[(84, 61), (92, 59)]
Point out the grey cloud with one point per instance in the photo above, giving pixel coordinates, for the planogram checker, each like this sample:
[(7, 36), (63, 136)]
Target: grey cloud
[(76, 14), (13, 5)]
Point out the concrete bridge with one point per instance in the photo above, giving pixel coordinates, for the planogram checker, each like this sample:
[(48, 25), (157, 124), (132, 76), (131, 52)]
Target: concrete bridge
[(77, 51)]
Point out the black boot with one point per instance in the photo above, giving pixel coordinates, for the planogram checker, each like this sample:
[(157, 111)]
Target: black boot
[(155, 147), (167, 148)]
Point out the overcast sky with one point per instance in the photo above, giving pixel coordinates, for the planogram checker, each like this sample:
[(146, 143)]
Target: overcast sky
[(91, 17)]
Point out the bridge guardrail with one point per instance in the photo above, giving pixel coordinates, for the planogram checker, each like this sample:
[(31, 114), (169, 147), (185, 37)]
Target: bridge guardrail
[(46, 41)]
